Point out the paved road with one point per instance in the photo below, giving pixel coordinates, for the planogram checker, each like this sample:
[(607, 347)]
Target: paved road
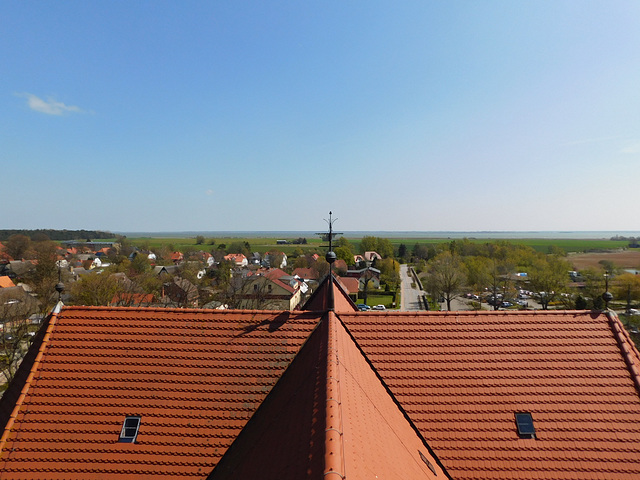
[(410, 300)]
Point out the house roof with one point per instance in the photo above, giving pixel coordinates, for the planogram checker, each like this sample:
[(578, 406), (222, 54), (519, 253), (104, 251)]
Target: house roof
[(351, 285), (330, 295), (306, 273), (193, 376), (6, 282), (462, 376), (132, 299), (247, 394), (349, 421), (370, 256)]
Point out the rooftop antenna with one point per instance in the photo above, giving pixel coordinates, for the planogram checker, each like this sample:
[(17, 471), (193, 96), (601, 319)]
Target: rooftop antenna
[(330, 256)]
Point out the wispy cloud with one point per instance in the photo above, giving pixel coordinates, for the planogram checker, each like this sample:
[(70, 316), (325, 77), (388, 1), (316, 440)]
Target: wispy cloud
[(592, 140), (631, 148), (209, 192), (49, 106)]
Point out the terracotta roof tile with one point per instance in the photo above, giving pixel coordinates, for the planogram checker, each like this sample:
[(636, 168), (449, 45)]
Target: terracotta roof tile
[(350, 422), (194, 376), (462, 376)]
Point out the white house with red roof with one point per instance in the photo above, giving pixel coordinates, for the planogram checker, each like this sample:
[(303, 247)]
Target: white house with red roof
[(238, 258)]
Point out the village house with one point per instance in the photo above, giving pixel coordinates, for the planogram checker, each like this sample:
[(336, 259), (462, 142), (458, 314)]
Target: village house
[(270, 288), (238, 258)]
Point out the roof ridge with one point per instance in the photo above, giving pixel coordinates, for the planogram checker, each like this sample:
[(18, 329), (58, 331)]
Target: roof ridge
[(34, 367), (629, 352), (334, 446)]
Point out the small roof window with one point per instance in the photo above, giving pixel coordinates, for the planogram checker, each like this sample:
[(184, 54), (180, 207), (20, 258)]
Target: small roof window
[(429, 464), (524, 422), (130, 428)]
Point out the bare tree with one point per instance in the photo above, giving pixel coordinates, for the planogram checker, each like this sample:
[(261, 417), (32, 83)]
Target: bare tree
[(16, 308), (446, 277)]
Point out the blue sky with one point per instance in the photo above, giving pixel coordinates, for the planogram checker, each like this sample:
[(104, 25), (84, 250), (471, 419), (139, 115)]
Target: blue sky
[(412, 115)]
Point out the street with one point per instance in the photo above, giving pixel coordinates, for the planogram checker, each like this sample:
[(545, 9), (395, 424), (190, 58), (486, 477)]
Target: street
[(410, 296)]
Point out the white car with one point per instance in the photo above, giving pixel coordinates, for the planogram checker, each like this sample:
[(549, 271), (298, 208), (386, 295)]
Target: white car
[(378, 307)]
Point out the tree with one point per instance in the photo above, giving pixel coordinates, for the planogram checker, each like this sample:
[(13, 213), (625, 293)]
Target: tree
[(477, 270), (446, 276), (44, 277), (368, 244), (15, 310), (17, 245), (594, 287), (549, 274), (95, 289), (343, 253), (627, 286), (199, 240), (402, 251)]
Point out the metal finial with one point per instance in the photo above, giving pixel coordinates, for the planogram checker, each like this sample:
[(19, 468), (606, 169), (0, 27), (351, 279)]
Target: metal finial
[(59, 285)]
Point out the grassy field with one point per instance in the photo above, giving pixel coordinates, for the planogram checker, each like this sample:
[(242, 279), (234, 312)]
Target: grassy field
[(380, 299), (539, 244), (314, 244)]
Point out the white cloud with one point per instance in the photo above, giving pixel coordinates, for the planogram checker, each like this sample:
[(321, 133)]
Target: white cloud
[(209, 192), (49, 106)]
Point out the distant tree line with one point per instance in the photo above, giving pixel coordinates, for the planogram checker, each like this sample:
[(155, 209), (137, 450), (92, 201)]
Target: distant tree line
[(56, 235)]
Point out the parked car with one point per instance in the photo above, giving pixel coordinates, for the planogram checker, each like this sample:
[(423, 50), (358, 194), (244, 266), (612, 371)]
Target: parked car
[(379, 307), (362, 307)]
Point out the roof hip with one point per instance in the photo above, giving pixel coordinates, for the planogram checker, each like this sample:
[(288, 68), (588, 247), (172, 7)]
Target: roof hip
[(627, 348)]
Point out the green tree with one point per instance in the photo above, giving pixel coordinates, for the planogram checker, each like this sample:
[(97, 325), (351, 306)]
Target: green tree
[(95, 289), (478, 272), (627, 287), (344, 253), (549, 274), (390, 274), (368, 244), (199, 240)]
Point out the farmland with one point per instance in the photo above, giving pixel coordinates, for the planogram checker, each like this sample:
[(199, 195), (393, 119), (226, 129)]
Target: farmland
[(314, 243)]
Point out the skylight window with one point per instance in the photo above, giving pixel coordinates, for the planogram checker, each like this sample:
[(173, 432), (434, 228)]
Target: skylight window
[(429, 464), (129, 431), (524, 422)]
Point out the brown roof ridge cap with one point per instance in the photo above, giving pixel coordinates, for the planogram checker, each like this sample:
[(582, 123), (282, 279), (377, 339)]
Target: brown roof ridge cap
[(628, 350), (390, 393), (45, 342), (334, 447)]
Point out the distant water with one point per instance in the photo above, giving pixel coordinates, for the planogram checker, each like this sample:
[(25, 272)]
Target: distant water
[(285, 234)]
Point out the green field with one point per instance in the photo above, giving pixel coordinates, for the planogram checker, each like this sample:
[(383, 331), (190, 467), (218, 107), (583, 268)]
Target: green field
[(539, 244), (315, 244)]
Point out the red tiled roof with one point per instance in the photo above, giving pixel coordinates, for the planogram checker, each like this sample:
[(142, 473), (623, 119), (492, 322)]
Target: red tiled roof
[(320, 300), (352, 285), (194, 376), (6, 282), (132, 299), (306, 273), (328, 415), (461, 376)]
